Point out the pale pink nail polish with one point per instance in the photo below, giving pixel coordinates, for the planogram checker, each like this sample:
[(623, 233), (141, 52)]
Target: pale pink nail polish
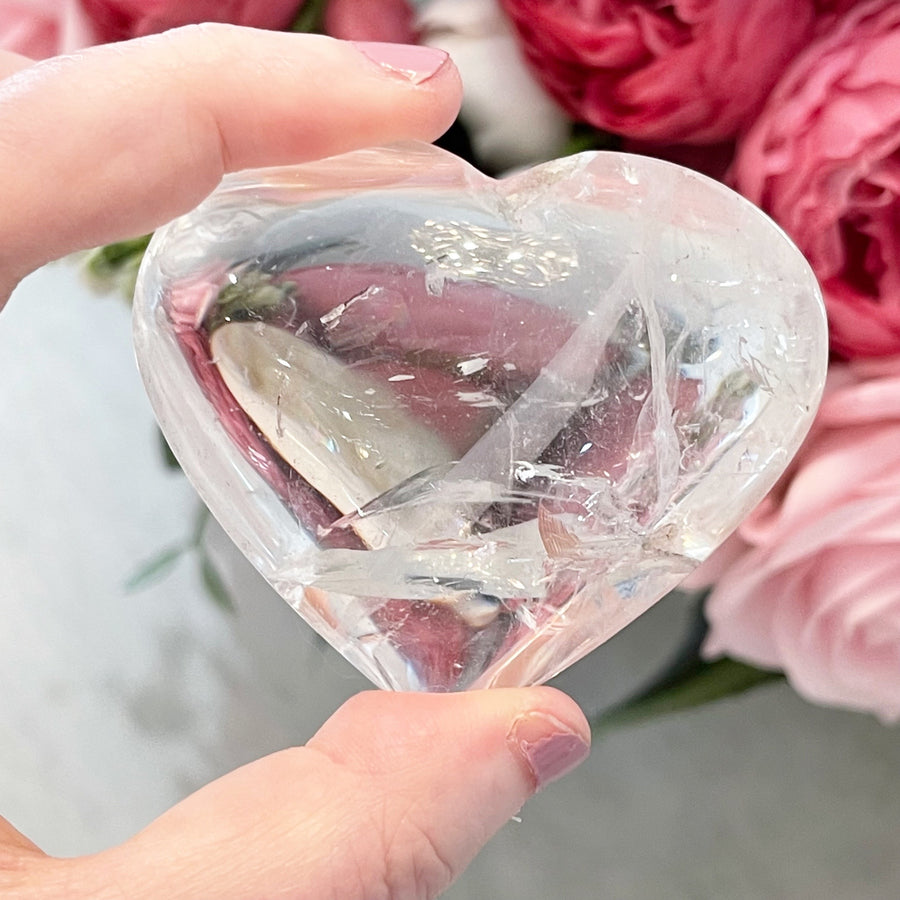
[(549, 748), (408, 61)]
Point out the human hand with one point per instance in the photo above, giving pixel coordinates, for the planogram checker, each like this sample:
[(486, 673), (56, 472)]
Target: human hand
[(396, 793), (391, 799)]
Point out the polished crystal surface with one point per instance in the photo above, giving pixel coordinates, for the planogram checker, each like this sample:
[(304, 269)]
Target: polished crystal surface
[(469, 429)]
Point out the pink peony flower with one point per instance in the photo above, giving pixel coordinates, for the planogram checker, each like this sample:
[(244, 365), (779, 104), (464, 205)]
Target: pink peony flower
[(371, 20), (810, 583), (692, 71), (824, 160), (43, 28), (118, 20)]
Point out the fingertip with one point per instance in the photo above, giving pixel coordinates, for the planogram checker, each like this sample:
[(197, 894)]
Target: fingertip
[(379, 730), (409, 62), (560, 705), (546, 733), (544, 729), (427, 74)]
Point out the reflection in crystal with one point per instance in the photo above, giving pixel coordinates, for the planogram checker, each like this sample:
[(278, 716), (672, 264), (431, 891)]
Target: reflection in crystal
[(461, 250)]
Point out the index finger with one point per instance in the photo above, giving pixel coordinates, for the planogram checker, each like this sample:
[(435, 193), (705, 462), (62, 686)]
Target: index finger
[(114, 141)]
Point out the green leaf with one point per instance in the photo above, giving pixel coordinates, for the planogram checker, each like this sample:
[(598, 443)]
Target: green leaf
[(115, 266), (310, 17), (156, 568), (201, 520), (585, 137), (214, 584), (705, 682), (114, 255), (686, 681), (170, 461)]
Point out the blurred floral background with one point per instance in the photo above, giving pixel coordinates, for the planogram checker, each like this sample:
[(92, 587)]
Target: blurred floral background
[(793, 103), (115, 706)]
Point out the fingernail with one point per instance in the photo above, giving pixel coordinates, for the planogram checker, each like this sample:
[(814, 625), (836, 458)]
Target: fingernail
[(411, 62), (548, 747)]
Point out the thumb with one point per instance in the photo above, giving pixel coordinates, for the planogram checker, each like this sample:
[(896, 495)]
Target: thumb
[(391, 799)]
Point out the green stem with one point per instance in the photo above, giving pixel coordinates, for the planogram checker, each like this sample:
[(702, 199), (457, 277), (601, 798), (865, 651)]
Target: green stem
[(201, 520), (703, 683)]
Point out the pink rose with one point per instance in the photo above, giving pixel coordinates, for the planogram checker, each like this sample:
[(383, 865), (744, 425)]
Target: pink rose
[(810, 583), (118, 20), (823, 160), (371, 20), (42, 28), (693, 71)]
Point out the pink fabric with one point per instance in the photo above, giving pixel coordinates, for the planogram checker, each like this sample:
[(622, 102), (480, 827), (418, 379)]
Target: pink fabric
[(693, 71), (824, 160), (44, 28), (371, 20), (118, 20), (810, 583)]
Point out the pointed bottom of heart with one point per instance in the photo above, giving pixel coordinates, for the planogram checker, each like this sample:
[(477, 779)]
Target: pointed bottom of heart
[(462, 639)]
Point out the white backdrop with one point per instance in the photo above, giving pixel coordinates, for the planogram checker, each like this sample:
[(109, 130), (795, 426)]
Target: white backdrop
[(114, 705)]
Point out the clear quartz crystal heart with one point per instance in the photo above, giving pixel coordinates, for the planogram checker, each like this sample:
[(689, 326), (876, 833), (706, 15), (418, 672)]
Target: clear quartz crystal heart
[(469, 429)]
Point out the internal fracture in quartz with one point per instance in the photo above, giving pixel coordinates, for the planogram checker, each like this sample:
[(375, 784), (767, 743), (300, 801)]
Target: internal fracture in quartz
[(500, 419)]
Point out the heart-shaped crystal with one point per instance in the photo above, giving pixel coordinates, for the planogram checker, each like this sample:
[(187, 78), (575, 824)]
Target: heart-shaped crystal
[(468, 428)]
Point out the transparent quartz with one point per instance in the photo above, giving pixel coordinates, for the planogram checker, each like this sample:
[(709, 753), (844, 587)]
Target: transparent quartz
[(469, 429)]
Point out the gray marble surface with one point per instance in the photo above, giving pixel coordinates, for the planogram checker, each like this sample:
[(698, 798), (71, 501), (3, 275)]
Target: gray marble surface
[(113, 705)]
